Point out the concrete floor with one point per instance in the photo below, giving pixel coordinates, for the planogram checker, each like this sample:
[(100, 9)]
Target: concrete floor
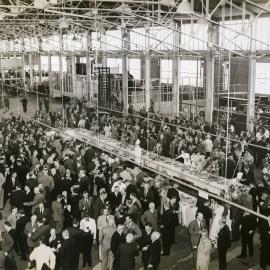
[(181, 256)]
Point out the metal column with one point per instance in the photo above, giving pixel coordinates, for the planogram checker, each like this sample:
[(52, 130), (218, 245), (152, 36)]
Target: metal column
[(251, 77)]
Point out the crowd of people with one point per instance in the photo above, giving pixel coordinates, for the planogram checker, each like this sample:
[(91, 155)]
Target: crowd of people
[(66, 197)]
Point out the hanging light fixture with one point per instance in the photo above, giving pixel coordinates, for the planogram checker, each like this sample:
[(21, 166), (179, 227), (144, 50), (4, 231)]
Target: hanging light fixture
[(168, 3), (185, 8)]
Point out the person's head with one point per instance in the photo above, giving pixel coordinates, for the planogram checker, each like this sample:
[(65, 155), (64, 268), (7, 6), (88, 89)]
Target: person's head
[(129, 237), (27, 189), (115, 176), (105, 211), (199, 216), (53, 170), (148, 227), (103, 193), (155, 236), (120, 228), (85, 194), (204, 233), (52, 232), (116, 189), (42, 240), (132, 196), (173, 200), (45, 170), (111, 222), (59, 198), (152, 206), (7, 226), (65, 234), (146, 185), (14, 210), (34, 218), (222, 222)]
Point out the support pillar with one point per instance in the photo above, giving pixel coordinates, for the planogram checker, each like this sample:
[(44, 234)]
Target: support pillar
[(210, 72), (73, 74), (50, 75), (176, 72), (88, 67), (125, 47), (31, 70), (147, 81), (209, 106), (251, 77)]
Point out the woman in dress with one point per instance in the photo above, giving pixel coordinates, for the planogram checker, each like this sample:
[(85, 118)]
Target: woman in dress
[(218, 211), (204, 252)]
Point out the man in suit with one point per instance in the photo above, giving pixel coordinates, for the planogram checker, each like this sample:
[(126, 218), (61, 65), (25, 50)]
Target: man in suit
[(21, 237), (131, 226), (76, 234), (147, 196), (38, 198), (223, 244), (195, 231), (115, 198), (41, 231), (58, 211), (42, 212), (206, 211), (66, 252), (167, 228), (105, 236), (74, 203), (248, 224), (17, 197), (29, 196), (102, 220), (126, 253), (7, 245), (100, 203), (155, 249), (145, 243), (10, 184), (30, 227), (116, 240), (86, 205), (150, 216)]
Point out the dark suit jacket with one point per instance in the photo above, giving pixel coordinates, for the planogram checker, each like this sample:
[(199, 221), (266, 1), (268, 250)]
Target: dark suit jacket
[(66, 254), (98, 206), (86, 207), (224, 238), (17, 198), (249, 223), (116, 240), (167, 222), (126, 254), (43, 230), (115, 200), (7, 243), (44, 216), (155, 250)]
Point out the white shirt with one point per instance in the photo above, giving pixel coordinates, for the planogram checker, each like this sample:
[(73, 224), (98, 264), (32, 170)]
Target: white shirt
[(90, 224), (43, 254)]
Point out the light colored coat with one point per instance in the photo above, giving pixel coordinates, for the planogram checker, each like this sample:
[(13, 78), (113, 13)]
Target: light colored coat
[(203, 255)]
